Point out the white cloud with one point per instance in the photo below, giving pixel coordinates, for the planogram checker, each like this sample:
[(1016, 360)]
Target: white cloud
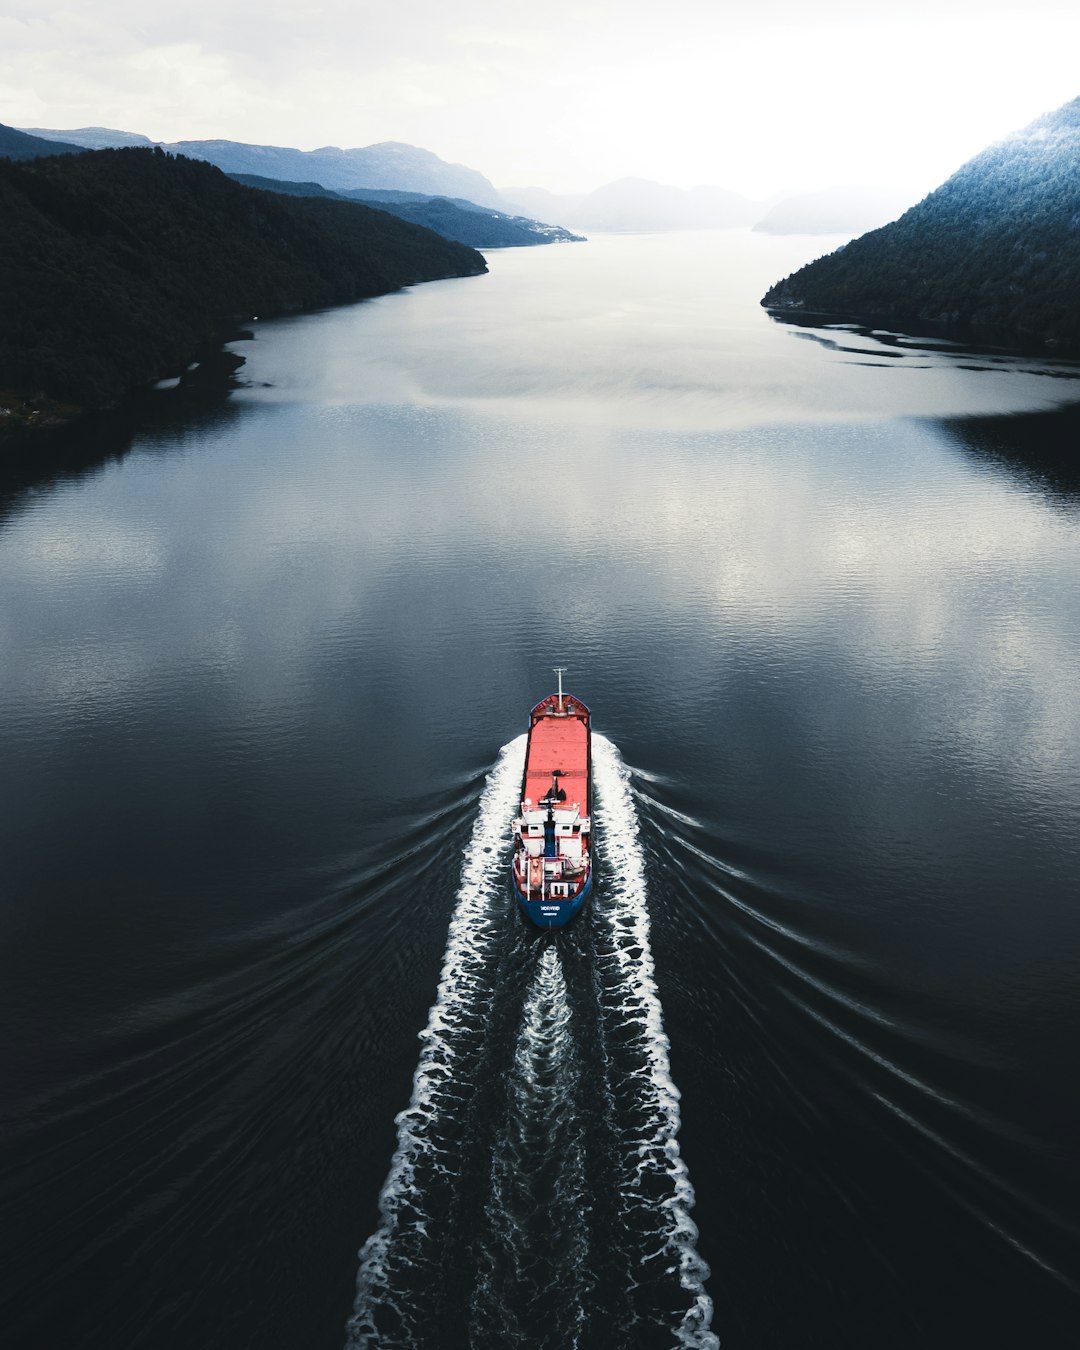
[(758, 98)]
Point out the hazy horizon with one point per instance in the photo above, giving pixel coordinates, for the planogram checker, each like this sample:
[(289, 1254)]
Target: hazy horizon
[(567, 98)]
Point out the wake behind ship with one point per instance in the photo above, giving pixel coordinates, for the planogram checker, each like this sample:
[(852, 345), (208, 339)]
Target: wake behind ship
[(552, 866)]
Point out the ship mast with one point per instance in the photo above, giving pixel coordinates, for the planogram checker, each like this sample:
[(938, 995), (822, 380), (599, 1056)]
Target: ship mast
[(560, 671)]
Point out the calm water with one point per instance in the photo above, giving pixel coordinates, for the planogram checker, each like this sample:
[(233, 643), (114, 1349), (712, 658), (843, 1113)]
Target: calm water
[(266, 663)]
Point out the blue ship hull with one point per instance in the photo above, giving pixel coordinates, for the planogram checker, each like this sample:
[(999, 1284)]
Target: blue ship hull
[(553, 913)]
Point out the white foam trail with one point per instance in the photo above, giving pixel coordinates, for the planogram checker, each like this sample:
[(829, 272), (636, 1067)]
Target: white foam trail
[(478, 915), (537, 1242), (545, 1020), (621, 906)]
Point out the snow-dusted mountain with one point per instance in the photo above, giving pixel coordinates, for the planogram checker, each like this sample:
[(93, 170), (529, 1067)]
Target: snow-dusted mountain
[(994, 252)]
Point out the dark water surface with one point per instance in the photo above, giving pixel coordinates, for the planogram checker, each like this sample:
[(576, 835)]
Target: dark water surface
[(264, 673)]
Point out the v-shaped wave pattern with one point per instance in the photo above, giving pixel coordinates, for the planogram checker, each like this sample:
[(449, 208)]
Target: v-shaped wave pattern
[(537, 1196)]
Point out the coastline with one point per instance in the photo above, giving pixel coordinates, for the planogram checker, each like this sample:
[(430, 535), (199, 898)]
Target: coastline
[(982, 337), (33, 419), (125, 268)]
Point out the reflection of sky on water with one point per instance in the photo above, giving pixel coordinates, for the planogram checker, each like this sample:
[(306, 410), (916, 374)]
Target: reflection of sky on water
[(250, 558), (849, 636), (875, 551), (254, 667), (659, 331)]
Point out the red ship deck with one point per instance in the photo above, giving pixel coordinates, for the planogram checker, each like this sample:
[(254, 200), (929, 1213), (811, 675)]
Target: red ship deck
[(559, 743)]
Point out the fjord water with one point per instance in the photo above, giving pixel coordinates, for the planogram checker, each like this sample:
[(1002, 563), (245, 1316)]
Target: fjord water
[(266, 662)]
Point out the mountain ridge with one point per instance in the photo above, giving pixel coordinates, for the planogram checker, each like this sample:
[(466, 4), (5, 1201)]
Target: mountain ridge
[(632, 204), (22, 145), (452, 217), (854, 207), (387, 164), (994, 251), (626, 204)]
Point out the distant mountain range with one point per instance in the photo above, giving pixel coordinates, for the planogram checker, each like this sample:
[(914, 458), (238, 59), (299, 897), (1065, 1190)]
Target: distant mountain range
[(456, 219), (633, 204), (457, 202), (392, 169), (21, 145), (93, 138), (388, 165), (994, 251), (835, 210)]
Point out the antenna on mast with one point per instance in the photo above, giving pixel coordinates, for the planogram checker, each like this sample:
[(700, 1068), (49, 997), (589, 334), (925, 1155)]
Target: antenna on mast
[(560, 671)]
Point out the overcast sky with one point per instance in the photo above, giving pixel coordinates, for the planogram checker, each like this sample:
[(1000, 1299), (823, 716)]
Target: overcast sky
[(762, 96)]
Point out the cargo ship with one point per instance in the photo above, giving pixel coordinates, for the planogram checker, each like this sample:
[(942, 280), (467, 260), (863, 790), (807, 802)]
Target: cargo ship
[(552, 865)]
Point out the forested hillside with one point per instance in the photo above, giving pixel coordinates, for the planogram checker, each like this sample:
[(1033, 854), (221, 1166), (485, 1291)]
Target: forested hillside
[(477, 226), (117, 266), (994, 251), (462, 221), (390, 164)]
